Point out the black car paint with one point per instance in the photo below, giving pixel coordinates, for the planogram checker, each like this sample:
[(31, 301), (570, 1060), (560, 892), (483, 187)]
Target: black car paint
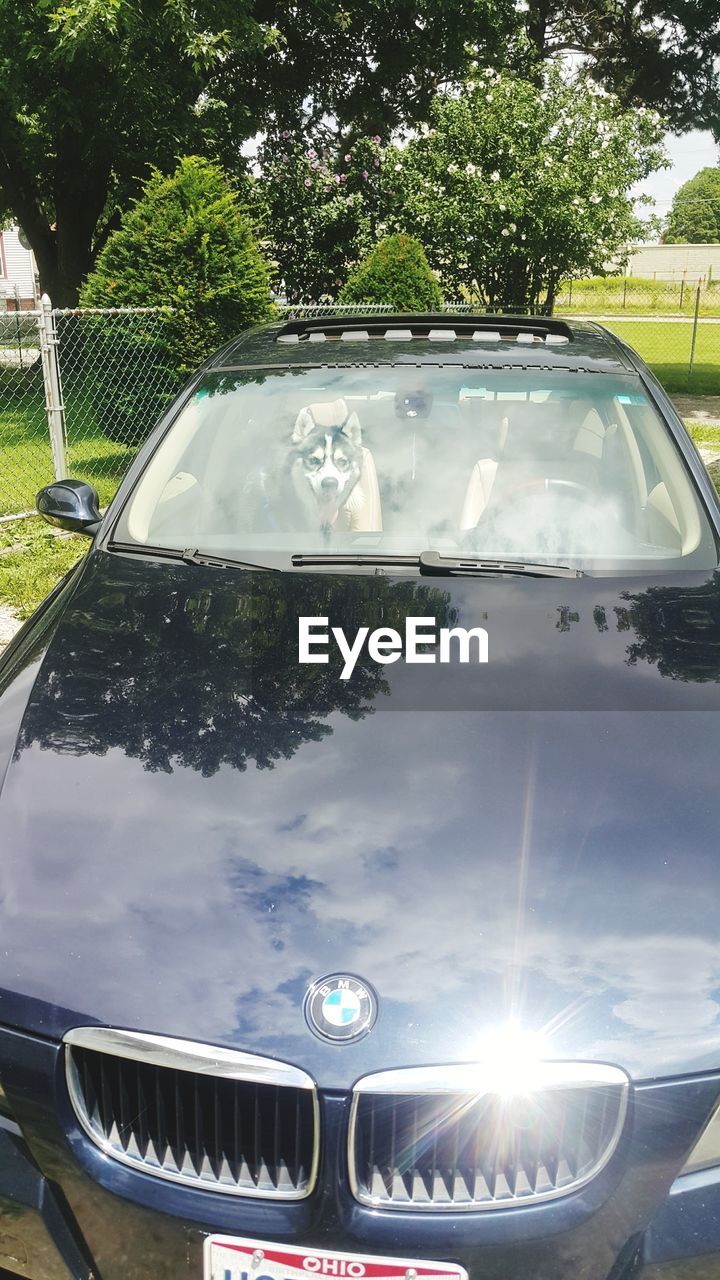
[(275, 806), (533, 839), (578, 887)]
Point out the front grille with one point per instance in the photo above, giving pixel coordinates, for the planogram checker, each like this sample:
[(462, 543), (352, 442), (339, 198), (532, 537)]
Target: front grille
[(452, 1142), (225, 1121)]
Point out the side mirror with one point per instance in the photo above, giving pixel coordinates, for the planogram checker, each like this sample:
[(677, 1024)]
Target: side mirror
[(70, 504)]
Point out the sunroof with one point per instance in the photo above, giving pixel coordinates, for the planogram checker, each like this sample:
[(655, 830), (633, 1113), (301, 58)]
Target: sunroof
[(527, 334)]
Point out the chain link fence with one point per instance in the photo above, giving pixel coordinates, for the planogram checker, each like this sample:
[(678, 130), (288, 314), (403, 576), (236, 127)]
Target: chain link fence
[(79, 391), (673, 324), (639, 295), (25, 456)]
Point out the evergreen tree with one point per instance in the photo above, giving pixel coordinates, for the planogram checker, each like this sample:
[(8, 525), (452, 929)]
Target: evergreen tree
[(187, 245), (398, 273)]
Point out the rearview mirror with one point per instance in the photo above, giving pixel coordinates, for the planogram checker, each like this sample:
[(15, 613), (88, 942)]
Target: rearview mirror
[(70, 504)]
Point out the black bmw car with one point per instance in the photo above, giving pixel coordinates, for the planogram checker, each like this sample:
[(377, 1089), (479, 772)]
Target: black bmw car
[(359, 836)]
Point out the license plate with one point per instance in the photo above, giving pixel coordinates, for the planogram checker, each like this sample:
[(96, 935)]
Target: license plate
[(230, 1258)]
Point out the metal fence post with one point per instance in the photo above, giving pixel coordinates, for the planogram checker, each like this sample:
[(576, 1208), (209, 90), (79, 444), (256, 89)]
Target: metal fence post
[(54, 405), (694, 333), (17, 325)]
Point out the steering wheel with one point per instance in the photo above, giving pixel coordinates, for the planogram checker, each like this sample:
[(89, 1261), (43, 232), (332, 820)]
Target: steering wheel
[(518, 495), (566, 488)]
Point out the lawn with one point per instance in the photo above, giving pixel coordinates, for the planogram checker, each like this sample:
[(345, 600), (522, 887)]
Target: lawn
[(665, 345), (705, 435), (32, 559), (25, 461), (637, 294)]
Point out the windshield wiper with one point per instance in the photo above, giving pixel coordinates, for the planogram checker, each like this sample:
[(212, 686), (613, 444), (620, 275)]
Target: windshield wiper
[(366, 558), (433, 563), (190, 556)]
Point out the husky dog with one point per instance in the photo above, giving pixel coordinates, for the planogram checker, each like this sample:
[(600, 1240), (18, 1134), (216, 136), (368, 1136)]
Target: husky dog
[(325, 461)]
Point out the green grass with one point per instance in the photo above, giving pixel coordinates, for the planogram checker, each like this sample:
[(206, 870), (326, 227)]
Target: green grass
[(602, 295), (705, 437), (666, 348), (25, 462), (32, 560)]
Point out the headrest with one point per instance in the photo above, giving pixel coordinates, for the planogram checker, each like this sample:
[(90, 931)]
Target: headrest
[(328, 415), (485, 421), (538, 430)]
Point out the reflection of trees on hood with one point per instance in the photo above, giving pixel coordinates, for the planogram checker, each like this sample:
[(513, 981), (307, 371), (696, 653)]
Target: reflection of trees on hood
[(676, 628), (200, 667)]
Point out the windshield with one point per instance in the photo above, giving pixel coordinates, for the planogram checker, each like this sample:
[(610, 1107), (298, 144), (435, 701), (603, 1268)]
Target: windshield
[(537, 465)]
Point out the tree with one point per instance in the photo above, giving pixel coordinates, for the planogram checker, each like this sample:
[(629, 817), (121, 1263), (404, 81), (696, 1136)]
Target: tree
[(664, 630), (658, 53), (695, 214), (93, 92), (516, 185), (396, 272), (187, 245), (205, 681), (318, 201)]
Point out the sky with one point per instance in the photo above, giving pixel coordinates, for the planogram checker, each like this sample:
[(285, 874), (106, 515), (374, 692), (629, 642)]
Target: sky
[(688, 153)]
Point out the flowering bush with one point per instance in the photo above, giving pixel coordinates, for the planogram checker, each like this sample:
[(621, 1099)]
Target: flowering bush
[(396, 272), (514, 185), (319, 206)]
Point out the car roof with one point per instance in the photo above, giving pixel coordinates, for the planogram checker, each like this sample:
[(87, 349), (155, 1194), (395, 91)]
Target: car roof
[(480, 341)]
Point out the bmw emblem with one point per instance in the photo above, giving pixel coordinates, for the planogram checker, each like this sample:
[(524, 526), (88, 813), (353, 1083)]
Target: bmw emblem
[(340, 1007)]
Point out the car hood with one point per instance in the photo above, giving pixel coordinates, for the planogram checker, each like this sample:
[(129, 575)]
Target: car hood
[(194, 826)]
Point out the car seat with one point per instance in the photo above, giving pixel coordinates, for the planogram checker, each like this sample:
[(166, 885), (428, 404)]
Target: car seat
[(537, 441), (362, 513)]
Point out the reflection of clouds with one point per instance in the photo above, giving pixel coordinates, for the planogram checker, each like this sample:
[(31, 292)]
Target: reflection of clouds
[(202, 907), (682, 1013), (660, 981)]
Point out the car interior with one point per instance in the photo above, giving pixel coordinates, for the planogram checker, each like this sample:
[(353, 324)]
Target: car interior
[(527, 471)]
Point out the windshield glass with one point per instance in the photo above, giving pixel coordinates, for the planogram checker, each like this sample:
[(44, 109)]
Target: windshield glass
[(538, 465)]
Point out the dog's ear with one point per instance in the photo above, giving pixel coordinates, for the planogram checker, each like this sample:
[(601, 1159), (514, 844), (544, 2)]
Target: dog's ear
[(304, 424), (352, 429)]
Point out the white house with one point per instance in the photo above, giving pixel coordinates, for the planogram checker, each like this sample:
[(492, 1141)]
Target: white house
[(18, 273)]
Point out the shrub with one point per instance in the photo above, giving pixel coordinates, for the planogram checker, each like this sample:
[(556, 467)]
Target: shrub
[(398, 273), (186, 245)]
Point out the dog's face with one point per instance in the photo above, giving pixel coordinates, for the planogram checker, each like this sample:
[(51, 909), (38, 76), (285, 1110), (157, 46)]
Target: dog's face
[(328, 455)]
